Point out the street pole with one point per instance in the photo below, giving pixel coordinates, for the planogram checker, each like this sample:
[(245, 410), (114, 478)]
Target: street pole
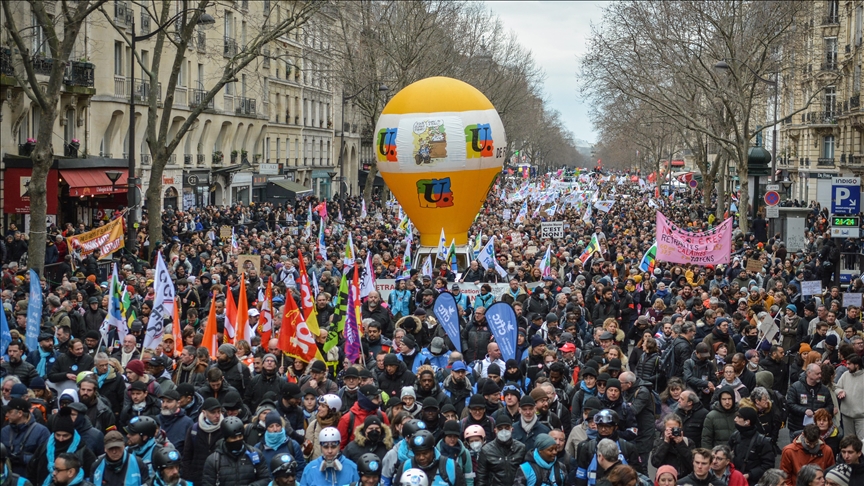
[(132, 194), (342, 150), (774, 133)]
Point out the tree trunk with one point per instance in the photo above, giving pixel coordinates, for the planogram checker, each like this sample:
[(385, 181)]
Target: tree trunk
[(370, 183), (42, 158), (744, 198), (154, 201), (708, 184)]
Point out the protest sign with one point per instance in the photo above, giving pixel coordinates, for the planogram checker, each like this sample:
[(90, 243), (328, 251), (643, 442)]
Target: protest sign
[(107, 239), (699, 248), (852, 299), (552, 229), (811, 287)]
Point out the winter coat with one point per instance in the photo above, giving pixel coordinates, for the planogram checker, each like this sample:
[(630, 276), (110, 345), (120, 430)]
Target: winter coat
[(93, 319), (175, 427), (676, 454), (380, 315), (802, 397), (795, 456), (361, 445), (647, 369), (314, 476), (249, 468), (586, 451), (694, 419), (197, 447), (23, 370), (753, 460), (393, 384), (21, 445), (498, 463), (113, 390), (683, 349), (290, 446), (236, 374), (37, 469), (641, 402), (719, 426), (69, 363), (151, 408), (260, 385), (479, 337), (206, 392), (359, 415)]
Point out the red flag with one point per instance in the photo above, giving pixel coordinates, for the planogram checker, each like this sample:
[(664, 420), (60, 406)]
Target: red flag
[(265, 322), (295, 340), (210, 342), (175, 327), (310, 315), (230, 316)]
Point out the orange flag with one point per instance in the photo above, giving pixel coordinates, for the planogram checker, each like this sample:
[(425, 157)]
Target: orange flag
[(230, 316), (295, 339), (241, 322), (210, 342), (265, 321), (175, 327)]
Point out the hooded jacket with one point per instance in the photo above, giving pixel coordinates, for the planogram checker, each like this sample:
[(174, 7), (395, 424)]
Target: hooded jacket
[(175, 427), (20, 445), (498, 462), (361, 444), (235, 374), (359, 414), (393, 384), (719, 423), (249, 468), (796, 455), (802, 397)]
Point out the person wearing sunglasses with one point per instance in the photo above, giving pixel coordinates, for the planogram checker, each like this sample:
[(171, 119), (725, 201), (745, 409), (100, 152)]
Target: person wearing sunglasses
[(586, 461), (332, 468)]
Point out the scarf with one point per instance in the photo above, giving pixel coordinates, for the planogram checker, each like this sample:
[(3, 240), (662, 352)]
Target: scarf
[(145, 451), (125, 357), (50, 453), (527, 426), (365, 403), (101, 378), (206, 426), (133, 474), (274, 440), (591, 472), (43, 361)]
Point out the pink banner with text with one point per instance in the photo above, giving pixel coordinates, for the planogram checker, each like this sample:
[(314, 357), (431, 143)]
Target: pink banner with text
[(699, 248)]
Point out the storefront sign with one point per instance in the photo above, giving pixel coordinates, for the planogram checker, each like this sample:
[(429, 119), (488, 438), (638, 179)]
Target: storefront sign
[(16, 185), (259, 180), (167, 180), (268, 169), (107, 239)]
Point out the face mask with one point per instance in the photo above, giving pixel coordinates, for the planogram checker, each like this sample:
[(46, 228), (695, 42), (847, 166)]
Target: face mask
[(476, 445), (235, 447), (504, 435), (373, 435)]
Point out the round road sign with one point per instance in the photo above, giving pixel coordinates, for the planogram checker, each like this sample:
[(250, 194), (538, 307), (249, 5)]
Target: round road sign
[(693, 184), (772, 198)]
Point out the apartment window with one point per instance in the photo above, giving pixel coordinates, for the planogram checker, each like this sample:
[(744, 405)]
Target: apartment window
[(229, 24), (829, 101), (118, 59), (145, 59), (243, 34), (69, 129), (830, 53), (181, 77), (856, 80), (229, 89), (37, 117), (24, 130), (278, 149), (833, 10), (200, 76), (243, 86), (828, 147), (40, 44), (859, 17)]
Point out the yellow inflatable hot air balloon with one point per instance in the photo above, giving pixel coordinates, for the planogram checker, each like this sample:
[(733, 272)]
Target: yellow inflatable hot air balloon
[(439, 144)]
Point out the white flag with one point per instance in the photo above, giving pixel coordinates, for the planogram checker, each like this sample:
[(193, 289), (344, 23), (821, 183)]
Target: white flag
[(442, 247), (587, 217), (486, 257), (114, 316), (363, 213), (427, 266), (367, 283), (163, 305), (604, 206)]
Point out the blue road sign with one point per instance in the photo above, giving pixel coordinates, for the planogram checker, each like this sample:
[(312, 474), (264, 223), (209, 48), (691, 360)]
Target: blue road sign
[(845, 195)]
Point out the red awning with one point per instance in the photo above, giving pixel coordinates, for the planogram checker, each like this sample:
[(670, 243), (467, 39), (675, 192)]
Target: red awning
[(89, 182), (677, 163)]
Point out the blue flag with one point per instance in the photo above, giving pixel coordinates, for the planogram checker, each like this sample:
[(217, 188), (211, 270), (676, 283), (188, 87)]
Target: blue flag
[(502, 323), (448, 316), (5, 335), (34, 312)]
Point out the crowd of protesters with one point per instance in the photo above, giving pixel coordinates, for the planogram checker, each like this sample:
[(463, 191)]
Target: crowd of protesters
[(677, 375)]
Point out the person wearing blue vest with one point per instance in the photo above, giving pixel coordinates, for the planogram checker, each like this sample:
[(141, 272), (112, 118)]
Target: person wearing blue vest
[(117, 466), (441, 470), (331, 468), (7, 477), (141, 437), (166, 468), (541, 466), (586, 453)]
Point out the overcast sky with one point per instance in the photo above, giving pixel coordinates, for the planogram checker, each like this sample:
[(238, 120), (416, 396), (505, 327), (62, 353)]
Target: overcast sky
[(556, 33)]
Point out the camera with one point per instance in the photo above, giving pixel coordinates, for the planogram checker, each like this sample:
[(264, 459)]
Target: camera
[(677, 432)]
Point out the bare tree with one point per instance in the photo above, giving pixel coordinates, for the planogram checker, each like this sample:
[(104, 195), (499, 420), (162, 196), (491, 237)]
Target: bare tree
[(161, 135), (60, 34)]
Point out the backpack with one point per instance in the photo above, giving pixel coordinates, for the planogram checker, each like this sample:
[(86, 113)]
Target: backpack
[(542, 475), (658, 404), (446, 469), (666, 367)]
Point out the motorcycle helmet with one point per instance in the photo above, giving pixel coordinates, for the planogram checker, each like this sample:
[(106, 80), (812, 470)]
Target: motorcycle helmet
[(143, 425), (283, 465), (232, 427), (164, 457), (369, 465)]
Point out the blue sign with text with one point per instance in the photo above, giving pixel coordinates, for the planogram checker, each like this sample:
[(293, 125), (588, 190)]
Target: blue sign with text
[(845, 195)]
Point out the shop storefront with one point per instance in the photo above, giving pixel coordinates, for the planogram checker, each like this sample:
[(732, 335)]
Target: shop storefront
[(321, 180), (259, 187), (241, 188), (196, 188)]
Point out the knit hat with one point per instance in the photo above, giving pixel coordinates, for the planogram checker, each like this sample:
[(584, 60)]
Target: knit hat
[(792, 308), (64, 423), (537, 340), (493, 369), (136, 366), (840, 474), (491, 388), (391, 360), (613, 383), (804, 348), (538, 394), (272, 417), (371, 420), (408, 391), (431, 402), (748, 414), (544, 441), (666, 469), (228, 349), (831, 340), (451, 427), (503, 419), (593, 403), (268, 356)]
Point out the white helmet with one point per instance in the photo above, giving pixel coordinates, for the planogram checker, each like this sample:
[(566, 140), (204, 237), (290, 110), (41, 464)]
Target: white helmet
[(333, 401), (414, 477), (329, 434)]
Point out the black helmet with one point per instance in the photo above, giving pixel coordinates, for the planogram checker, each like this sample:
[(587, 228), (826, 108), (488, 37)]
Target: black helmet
[(231, 427), (143, 425), (411, 427), (423, 440), (164, 457), (369, 465), (283, 465)]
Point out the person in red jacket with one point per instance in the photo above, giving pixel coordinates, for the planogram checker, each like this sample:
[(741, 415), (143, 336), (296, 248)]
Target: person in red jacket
[(723, 469), (368, 403)]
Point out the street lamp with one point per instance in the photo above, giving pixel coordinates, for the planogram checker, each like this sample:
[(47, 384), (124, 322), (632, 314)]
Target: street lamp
[(382, 88), (113, 176), (132, 195)]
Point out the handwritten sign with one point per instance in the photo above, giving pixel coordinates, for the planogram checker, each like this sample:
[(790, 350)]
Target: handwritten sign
[(811, 287), (699, 248), (852, 299), (754, 265), (225, 232)]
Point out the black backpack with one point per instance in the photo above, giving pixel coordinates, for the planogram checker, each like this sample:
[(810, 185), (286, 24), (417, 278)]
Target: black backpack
[(666, 367)]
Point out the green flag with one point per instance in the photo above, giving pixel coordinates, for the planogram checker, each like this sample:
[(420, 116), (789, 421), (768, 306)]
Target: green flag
[(339, 315)]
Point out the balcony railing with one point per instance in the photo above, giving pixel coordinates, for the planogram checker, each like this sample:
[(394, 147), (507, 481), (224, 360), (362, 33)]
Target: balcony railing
[(6, 62), (145, 22), (245, 106), (830, 19), (854, 101), (146, 159), (825, 161), (187, 159), (172, 159), (202, 159), (79, 74), (829, 65), (142, 89), (230, 49), (228, 103), (43, 65), (123, 13), (180, 96), (197, 98)]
